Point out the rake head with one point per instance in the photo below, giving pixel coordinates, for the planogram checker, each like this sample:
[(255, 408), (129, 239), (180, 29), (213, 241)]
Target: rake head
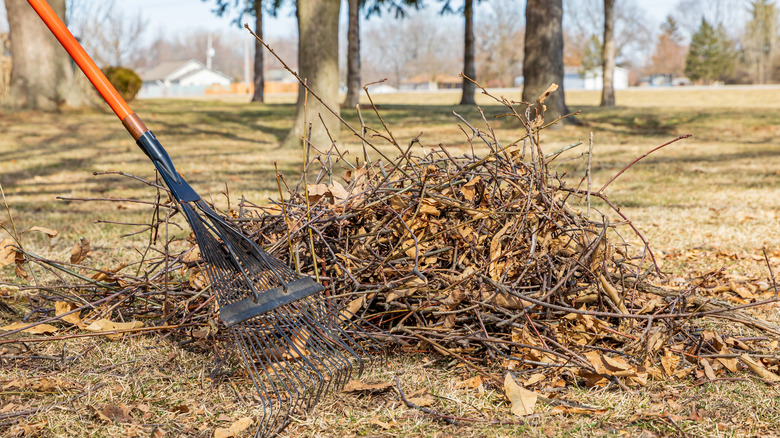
[(295, 343)]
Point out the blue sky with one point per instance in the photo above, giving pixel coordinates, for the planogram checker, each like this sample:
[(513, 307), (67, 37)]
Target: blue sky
[(181, 15), (170, 16)]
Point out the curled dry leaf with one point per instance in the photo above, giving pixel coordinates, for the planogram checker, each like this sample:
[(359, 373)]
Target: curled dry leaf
[(382, 424), (234, 429), (523, 400), (80, 251), (7, 252), (352, 308), (39, 329), (358, 386), (61, 307), (106, 325), (48, 231), (759, 369)]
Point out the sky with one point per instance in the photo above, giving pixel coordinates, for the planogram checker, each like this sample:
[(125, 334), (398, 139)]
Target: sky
[(180, 15), (171, 16)]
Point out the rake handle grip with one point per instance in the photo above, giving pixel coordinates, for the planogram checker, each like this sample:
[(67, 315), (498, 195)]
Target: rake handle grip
[(131, 121)]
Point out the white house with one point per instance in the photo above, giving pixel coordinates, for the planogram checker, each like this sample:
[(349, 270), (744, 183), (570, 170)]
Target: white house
[(180, 78), (575, 79)]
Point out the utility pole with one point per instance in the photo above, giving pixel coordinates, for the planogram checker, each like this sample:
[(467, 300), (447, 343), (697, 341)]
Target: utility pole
[(210, 52)]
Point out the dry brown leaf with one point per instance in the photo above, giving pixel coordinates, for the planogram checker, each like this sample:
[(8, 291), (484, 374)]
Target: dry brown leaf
[(729, 362), (759, 369), (708, 371), (358, 386), (615, 364), (469, 189), (48, 231), (338, 191), (474, 383), (423, 401), (669, 362), (61, 307), (35, 330), (80, 251), (106, 325), (7, 252), (534, 378), (523, 400), (352, 308), (119, 413), (382, 424)]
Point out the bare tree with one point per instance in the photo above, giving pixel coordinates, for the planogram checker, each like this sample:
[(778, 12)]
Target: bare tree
[(110, 35), (543, 64), (258, 77), (634, 38), (498, 33), (402, 49), (689, 13), (353, 55), (318, 60), (467, 97), (42, 77), (608, 55)]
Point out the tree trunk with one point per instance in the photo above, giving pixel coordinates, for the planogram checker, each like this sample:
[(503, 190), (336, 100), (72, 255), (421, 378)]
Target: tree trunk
[(353, 55), (467, 98), (318, 61), (543, 64), (608, 55), (42, 74), (259, 76)]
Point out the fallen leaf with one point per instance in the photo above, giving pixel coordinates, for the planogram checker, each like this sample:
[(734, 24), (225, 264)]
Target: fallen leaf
[(523, 400), (382, 424), (759, 369), (35, 330), (180, 409), (423, 401), (118, 413), (7, 252), (669, 362), (358, 386), (708, 371), (80, 251), (105, 325), (61, 307), (352, 308), (474, 382), (48, 231)]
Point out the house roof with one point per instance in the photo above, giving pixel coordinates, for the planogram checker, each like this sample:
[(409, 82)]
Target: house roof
[(162, 70), (175, 70), (194, 72)]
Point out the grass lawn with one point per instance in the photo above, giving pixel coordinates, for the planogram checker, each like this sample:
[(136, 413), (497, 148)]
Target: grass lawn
[(706, 202)]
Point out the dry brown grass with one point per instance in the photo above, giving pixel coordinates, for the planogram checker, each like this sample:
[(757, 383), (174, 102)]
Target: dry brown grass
[(714, 194)]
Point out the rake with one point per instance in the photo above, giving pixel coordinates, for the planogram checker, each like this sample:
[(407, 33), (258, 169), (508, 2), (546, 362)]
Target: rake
[(296, 343)]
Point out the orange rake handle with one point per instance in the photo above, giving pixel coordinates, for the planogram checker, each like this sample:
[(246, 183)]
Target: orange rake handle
[(88, 66)]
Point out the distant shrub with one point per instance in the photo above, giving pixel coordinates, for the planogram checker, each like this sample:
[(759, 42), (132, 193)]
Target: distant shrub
[(126, 81)]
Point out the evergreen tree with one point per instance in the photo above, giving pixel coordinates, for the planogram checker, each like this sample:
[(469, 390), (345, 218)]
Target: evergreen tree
[(711, 55)]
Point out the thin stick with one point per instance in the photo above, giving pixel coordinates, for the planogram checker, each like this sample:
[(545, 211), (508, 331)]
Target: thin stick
[(588, 172), (636, 160)]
